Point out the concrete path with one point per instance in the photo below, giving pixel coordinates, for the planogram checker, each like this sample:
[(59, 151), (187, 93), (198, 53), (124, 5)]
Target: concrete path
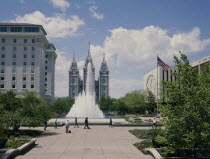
[(99, 142)]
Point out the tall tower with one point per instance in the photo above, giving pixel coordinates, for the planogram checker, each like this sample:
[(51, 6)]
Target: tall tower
[(104, 79), (74, 79), (88, 59)]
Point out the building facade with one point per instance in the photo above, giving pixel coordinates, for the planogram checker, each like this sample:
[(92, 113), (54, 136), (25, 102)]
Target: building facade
[(154, 78), (27, 60), (76, 85)]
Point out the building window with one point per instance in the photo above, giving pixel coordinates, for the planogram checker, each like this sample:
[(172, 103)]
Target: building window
[(33, 41), (14, 40), (25, 48), (45, 73), (3, 29), (32, 86), (31, 29), (13, 70), (2, 55), (14, 48), (45, 85), (13, 78), (45, 79), (3, 40), (2, 70), (32, 70), (45, 67), (2, 78), (14, 55), (24, 78), (32, 63), (24, 69), (32, 56), (14, 63), (3, 48), (24, 86), (45, 56), (24, 63), (2, 63), (2, 86), (13, 86), (25, 40), (32, 78), (24, 56), (45, 62), (33, 48), (16, 29)]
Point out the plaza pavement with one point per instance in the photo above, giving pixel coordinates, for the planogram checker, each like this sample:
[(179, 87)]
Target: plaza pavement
[(99, 142)]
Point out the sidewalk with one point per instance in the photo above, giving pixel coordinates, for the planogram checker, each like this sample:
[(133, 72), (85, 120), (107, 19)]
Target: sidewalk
[(99, 142)]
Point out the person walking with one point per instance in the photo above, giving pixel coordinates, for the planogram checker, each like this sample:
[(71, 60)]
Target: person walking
[(67, 126), (110, 122), (75, 123), (154, 123), (86, 123), (45, 125), (56, 123)]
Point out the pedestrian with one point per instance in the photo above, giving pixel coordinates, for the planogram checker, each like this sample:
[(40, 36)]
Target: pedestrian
[(67, 126), (56, 123), (154, 123), (75, 123), (45, 125), (110, 122), (86, 123)]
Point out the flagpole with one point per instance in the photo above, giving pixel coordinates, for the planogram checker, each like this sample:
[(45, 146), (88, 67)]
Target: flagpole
[(157, 86)]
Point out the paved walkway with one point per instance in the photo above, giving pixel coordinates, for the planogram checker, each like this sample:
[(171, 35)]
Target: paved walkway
[(99, 142)]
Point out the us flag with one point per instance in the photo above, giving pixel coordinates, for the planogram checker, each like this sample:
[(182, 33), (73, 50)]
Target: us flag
[(163, 64)]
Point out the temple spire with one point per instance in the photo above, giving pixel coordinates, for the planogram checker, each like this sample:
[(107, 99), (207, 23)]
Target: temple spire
[(104, 58), (89, 55), (74, 58)]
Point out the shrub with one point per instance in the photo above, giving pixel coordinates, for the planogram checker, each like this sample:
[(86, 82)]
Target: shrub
[(144, 144), (13, 143)]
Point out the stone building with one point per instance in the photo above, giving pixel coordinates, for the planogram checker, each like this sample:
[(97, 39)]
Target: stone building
[(76, 85), (27, 60)]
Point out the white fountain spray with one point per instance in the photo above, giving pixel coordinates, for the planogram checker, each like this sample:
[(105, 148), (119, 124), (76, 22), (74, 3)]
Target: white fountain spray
[(85, 105)]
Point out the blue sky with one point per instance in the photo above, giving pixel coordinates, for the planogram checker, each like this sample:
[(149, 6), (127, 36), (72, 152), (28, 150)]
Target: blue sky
[(129, 33)]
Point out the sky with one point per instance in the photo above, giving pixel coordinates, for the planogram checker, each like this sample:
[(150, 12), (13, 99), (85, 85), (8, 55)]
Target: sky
[(129, 33)]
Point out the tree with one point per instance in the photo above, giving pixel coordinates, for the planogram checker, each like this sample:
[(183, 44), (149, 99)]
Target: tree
[(121, 107), (10, 110), (135, 101), (150, 101), (62, 105), (187, 107), (34, 110), (106, 104)]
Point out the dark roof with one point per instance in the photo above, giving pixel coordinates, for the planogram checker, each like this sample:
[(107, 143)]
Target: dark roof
[(23, 24)]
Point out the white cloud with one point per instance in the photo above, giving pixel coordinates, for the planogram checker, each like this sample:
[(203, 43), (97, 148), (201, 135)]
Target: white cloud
[(62, 4), (119, 87), (22, 2), (132, 50), (94, 14), (58, 26), (139, 48)]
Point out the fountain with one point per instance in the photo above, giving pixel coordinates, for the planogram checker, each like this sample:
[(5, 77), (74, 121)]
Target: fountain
[(85, 105)]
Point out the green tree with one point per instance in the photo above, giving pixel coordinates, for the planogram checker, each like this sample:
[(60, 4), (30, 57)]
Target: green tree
[(106, 104), (187, 107), (62, 105), (34, 110), (121, 107), (150, 101), (135, 102), (10, 110)]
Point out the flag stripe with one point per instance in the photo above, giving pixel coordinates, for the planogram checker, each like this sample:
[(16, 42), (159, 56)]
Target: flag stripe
[(163, 64)]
